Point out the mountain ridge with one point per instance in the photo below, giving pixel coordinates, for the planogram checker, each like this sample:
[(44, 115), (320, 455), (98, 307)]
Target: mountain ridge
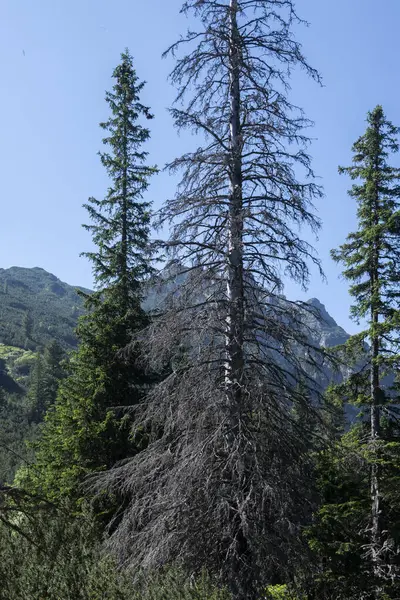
[(36, 307), (20, 284)]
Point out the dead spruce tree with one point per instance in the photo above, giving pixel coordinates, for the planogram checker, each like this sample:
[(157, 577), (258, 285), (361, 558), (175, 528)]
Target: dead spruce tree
[(224, 480)]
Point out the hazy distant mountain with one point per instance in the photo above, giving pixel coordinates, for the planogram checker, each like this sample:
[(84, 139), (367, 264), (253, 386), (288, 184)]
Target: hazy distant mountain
[(33, 299), (53, 307), (320, 328), (327, 332)]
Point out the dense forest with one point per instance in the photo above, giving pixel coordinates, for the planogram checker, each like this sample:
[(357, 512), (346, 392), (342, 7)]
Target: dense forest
[(185, 430)]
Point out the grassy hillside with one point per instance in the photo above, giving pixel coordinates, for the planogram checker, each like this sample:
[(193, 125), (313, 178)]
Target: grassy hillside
[(36, 308)]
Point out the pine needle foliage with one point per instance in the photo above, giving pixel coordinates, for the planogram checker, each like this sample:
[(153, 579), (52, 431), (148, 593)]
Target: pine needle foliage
[(370, 257), (121, 221), (88, 429)]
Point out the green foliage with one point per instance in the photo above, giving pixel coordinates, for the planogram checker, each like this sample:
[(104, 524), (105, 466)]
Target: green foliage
[(372, 253), (121, 221), (56, 557), (18, 363), (47, 553), (45, 378), (281, 592), (27, 326), (88, 429), (356, 533), (19, 412), (277, 592), (339, 536), (82, 432), (174, 584), (15, 432), (21, 367)]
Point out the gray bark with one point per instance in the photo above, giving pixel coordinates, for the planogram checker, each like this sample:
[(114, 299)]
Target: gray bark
[(374, 440), (375, 405), (234, 372), (235, 317)]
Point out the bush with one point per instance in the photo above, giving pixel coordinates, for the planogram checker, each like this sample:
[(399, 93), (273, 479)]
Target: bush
[(173, 584), (280, 592), (46, 553), (52, 556)]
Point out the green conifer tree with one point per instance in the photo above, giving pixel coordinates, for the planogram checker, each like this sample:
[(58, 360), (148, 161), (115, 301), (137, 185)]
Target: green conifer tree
[(47, 373), (27, 326), (36, 395), (121, 221), (88, 429), (356, 532)]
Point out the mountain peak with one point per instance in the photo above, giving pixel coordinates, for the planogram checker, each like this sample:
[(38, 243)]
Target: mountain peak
[(327, 332), (322, 313)]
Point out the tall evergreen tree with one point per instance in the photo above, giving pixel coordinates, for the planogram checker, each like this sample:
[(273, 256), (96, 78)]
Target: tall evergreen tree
[(37, 399), (222, 482), (45, 379), (121, 221), (54, 356), (88, 429), (27, 326), (371, 257)]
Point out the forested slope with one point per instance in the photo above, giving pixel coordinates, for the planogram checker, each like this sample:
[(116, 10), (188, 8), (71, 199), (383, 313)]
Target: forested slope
[(36, 308)]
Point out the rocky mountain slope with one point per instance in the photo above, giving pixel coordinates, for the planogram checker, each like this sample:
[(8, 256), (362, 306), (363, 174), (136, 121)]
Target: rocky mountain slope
[(326, 332), (36, 308)]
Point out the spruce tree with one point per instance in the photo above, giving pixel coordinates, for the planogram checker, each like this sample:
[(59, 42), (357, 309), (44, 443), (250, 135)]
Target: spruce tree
[(45, 378), (222, 482), (370, 257), (121, 221), (27, 325), (37, 400), (340, 567), (88, 428)]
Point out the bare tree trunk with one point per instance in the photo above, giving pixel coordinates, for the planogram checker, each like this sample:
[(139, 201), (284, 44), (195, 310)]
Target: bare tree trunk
[(375, 412), (374, 436), (234, 374), (233, 506), (235, 318)]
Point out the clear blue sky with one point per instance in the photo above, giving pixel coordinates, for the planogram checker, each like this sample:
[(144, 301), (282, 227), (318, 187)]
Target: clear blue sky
[(57, 57)]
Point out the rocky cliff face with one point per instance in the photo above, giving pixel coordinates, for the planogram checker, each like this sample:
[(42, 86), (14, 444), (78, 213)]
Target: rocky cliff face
[(320, 328), (326, 332), (55, 307)]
